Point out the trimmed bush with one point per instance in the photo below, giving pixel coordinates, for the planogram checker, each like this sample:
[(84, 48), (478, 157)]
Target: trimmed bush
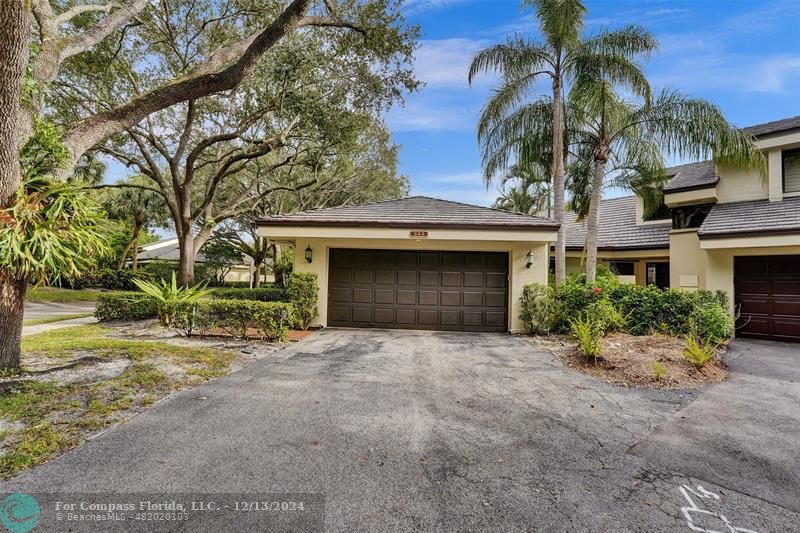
[(125, 306), (303, 291), (538, 311), (711, 323), (262, 294), (272, 320)]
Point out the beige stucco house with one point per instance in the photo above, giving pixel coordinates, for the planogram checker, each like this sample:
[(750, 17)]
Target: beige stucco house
[(726, 229), (417, 263)]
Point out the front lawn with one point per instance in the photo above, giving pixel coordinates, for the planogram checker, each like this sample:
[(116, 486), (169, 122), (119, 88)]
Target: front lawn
[(80, 380), (55, 294)]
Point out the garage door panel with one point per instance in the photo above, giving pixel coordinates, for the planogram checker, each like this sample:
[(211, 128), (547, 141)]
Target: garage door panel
[(428, 297), (429, 279), (419, 289), (406, 316), (786, 307), (767, 293), (384, 316), (473, 299), (473, 279), (451, 298), (786, 287), (384, 296), (450, 318), (428, 318), (451, 279), (406, 297), (407, 277), (495, 279), (362, 314), (385, 277), (754, 305)]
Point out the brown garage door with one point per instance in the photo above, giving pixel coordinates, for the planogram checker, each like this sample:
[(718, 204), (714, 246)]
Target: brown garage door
[(463, 291), (768, 296)]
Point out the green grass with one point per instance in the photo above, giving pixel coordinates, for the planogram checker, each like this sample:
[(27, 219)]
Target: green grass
[(54, 294), (57, 417), (51, 319)]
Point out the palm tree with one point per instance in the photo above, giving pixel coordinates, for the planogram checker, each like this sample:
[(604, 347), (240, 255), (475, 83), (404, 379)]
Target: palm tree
[(559, 57), (628, 142), (140, 206), (526, 190)]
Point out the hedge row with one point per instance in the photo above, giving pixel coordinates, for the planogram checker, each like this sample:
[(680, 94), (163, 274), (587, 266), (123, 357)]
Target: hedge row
[(263, 294), (125, 306), (632, 308), (270, 320)]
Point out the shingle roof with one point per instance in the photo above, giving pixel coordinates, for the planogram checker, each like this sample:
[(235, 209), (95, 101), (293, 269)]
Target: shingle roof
[(750, 218), (413, 212), (776, 126), (618, 228), (691, 176)]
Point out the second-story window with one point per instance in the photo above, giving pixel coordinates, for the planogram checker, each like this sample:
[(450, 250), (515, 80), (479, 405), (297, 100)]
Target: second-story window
[(691, 216), (791, 170)]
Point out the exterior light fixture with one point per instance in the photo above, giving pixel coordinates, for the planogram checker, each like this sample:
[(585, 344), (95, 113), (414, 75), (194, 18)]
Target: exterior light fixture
[(530, 259), (308, 253)]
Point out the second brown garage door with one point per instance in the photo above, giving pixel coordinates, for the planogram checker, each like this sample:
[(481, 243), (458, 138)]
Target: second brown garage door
[(458, 291), (768, 296)]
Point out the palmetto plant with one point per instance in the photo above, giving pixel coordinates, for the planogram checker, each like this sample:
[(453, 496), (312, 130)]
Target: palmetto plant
[(559, 57), (170, 296), (526, 190)]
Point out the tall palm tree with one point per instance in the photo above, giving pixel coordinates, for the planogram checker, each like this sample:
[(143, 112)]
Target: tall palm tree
[(141, 207), (526, 190), (627, 142), (559, 57)]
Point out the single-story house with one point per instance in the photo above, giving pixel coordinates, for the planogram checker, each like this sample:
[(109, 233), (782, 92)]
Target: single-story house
[(168, 250), (417, 263), (724, 229)]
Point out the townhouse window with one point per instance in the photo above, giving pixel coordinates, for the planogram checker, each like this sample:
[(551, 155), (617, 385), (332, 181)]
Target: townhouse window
[(662, 213), (791, 170), (691, 216), (623, 268)]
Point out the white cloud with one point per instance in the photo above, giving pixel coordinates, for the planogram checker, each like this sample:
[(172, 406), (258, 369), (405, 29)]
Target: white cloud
[(418, 6), (419, 115), (445, 62)]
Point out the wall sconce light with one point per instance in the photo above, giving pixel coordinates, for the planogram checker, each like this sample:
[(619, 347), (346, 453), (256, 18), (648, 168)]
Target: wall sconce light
[(308, 254), (530, 259)]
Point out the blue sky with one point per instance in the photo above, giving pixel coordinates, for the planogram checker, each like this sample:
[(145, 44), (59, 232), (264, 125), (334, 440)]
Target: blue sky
[(743, 55)]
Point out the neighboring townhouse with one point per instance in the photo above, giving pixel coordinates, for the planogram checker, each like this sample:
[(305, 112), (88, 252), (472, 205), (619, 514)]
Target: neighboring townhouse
[(729, 229), (168, 250)]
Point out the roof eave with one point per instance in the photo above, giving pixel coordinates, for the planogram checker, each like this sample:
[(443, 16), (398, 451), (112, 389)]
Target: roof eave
[(751, 233), (404, 225), (692, 187)]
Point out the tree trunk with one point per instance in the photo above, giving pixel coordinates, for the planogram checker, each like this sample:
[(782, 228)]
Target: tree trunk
[(135, 257), (186, 259), (14, 35), (257, 274), (12, 300), (593, 220), (558, 182), (133, 243)]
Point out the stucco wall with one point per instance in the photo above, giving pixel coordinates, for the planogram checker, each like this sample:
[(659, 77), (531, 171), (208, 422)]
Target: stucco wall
[(737, 185), (687, 269), (520, 275)]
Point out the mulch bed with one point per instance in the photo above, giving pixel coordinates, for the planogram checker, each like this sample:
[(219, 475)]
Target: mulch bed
[(630, 361), (252, 333)]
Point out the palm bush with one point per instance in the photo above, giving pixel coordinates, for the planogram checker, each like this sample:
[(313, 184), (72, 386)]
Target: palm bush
[(170, 296), (589, 334), (699, 352)]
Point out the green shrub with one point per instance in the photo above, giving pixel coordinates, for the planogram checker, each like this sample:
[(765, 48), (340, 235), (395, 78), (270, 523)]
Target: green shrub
[(271, 319), (659, 370), (303, 291), (698, 352), (125, 306), (263, 294), (169, 297), (538, 311), (711, 322), (588, 332), (608, 317), (573, 297)]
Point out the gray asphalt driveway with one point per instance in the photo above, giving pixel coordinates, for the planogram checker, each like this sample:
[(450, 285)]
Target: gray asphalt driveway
[(418, 431)]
